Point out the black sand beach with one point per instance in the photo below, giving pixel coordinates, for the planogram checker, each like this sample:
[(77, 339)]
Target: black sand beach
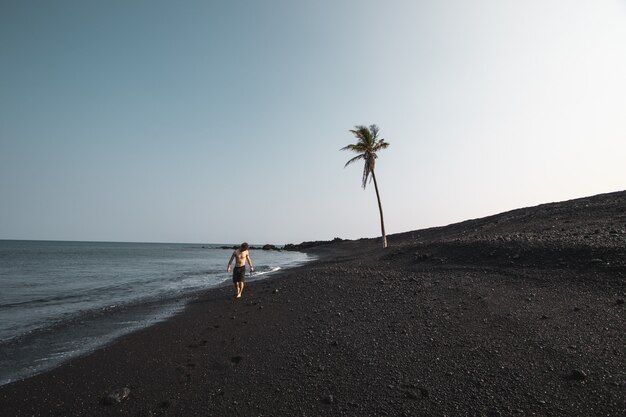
[(521, 313)]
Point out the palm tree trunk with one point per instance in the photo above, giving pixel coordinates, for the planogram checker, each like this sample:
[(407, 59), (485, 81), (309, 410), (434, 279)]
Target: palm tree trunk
[(380, 208)]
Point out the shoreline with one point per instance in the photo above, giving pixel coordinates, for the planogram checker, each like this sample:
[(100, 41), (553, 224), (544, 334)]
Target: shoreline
[(499, 316), (137, 315)]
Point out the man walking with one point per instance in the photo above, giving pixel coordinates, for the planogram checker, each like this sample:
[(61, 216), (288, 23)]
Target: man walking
[(240, 255)]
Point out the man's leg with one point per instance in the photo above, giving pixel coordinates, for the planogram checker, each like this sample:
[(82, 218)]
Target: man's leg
[(241, 288)]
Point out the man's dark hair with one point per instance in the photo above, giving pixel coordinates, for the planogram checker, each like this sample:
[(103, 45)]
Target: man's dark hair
[(244, 246)]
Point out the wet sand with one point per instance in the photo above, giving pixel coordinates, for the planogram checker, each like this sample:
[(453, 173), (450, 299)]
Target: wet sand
[(520, 313)]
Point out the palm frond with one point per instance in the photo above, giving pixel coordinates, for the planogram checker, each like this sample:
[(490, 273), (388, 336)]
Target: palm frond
[(354, 148), (368, 168), (374, 130), (356, 158), (363, 134), (381, 144)]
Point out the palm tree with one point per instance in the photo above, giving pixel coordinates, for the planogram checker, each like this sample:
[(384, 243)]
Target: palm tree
[(366, 146)]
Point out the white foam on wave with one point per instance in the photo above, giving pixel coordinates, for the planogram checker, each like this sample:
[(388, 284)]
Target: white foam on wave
[(274, 269), (193, 282)]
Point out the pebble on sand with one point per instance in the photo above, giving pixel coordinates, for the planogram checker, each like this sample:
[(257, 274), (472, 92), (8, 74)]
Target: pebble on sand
[(116, 396)]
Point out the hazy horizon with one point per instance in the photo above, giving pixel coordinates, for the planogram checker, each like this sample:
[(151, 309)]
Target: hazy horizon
[(204, 122), (256, 245)]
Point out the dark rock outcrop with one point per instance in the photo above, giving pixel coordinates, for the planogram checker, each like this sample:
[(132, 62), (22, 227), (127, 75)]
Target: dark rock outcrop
[(311, 244)]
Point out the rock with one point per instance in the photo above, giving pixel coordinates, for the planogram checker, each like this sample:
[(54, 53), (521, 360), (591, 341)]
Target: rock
[(329, 399), (620, 301), (307, 245), (421, 257), (116, 397), (416, 395), (578, 375), (236, 359), (269, 247), (412, 395)]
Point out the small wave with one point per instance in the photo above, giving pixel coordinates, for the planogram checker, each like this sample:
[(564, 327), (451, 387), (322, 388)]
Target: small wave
[(193, 280), (23, 303), (271, 269)]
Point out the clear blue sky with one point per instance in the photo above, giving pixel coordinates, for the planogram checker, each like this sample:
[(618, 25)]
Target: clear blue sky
[(221, 121)]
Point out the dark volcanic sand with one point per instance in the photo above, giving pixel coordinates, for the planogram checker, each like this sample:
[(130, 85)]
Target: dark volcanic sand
[(516, 314)]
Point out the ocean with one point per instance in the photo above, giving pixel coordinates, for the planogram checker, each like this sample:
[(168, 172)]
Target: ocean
[(59, 300)]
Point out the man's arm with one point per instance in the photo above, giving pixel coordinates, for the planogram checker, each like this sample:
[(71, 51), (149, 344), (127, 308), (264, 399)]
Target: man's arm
[(230, 261), (249, 262)]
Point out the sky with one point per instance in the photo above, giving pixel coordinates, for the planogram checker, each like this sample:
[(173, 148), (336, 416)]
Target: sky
[(221, 121)]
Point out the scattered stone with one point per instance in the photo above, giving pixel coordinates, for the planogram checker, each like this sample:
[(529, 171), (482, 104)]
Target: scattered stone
[(329, 399), (236, 359), (620, 301), (116, 397), (578, 375), (275, 291), (165, 404), (412, 395)]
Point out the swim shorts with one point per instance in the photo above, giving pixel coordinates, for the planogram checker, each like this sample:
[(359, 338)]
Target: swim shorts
[(239, 273)]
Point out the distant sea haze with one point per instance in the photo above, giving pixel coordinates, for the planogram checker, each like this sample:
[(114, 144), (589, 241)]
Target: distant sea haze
[(63, 299)]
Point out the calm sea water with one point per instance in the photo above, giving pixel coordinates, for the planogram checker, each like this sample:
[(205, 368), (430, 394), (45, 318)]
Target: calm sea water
[(63, 299)]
